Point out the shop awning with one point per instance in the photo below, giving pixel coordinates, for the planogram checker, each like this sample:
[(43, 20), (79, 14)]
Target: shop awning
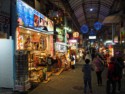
[(112, 19)]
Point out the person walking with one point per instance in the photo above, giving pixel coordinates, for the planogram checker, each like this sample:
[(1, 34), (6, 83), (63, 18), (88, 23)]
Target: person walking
[(86, 69), (49, 60), (99, 67), (111, 77), (118, 71), (73, 61)]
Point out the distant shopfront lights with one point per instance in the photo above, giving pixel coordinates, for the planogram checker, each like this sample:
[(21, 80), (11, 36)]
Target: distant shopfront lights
[(73, 41)]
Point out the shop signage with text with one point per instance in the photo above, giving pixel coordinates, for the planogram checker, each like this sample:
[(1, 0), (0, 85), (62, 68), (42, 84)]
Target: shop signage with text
[(29, 17)]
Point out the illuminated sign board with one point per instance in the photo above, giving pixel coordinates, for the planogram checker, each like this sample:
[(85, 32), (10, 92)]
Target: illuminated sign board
[(60, 47), (92, 37), (75, 34), (73, 41), (29, 17), (60, 37)]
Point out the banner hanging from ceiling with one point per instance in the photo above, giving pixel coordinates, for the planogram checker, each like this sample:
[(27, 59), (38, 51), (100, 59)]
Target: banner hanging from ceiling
[(97, 25), (84, 29)]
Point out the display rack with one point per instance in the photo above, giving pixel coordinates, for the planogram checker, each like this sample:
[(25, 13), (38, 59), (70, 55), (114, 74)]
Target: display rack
[(21, 81), (35, 71)]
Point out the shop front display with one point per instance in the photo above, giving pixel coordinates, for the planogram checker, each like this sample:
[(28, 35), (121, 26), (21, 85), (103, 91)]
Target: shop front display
[(30, 40), (34, 37), (36, 44), (63, 54)]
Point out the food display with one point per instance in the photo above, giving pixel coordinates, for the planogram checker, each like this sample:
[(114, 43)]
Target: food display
[(36, 45), (29, 40)]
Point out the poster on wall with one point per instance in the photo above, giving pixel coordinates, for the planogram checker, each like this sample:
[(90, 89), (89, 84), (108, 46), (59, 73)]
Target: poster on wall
[(36, 20), (29, 17), (60, 37), (60, 47)]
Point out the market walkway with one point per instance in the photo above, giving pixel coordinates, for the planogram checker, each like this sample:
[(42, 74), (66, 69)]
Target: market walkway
[(71, 82), (68, 82)]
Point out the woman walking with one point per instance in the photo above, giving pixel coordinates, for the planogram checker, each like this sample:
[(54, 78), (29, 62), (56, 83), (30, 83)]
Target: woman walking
[(99, 67)]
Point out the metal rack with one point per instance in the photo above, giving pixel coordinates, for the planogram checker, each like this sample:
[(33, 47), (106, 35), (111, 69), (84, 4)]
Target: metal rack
[(21, 82)]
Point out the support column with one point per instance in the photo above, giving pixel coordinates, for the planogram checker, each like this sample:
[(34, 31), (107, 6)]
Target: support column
[(43, 8), (113, 31), (65, 32), (65, 24)]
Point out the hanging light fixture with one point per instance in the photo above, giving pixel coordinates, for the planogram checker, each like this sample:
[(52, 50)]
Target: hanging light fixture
[(91, 9)]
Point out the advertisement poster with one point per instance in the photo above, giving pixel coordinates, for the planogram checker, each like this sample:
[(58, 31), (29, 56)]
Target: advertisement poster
[(36, 20), (60, 47), (25, 14), (29, 17)]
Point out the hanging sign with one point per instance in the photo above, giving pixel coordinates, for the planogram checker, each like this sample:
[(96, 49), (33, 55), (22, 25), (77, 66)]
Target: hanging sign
[(75, 34), (84, 29), (97, 25)]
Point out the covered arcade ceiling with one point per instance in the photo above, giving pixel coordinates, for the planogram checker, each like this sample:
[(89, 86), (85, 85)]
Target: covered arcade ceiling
[(89, 11)]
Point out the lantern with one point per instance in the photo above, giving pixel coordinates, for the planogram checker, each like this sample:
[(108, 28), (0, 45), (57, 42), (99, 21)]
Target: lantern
[(84, 29), (97, 25), (75, 34)]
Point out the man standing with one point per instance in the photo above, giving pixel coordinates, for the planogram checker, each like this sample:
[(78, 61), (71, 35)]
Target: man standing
[(86, 69)]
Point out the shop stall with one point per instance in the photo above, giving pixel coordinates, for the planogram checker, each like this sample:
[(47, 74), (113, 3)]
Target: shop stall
[(63, 54), (73, 47), (60, 49), (34, 41)]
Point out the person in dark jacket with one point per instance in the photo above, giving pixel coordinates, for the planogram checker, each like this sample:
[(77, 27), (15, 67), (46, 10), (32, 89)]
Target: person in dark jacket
[(111, 77), (119, 69), (49, 62), (86, 69)]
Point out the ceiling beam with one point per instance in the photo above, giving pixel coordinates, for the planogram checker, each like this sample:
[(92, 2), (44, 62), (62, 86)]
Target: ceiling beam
[(83, 6), (115, 2), (71, 13), (94, 3), (99, 4)]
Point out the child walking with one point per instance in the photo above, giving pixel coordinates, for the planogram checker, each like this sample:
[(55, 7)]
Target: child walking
[(86, 69)]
